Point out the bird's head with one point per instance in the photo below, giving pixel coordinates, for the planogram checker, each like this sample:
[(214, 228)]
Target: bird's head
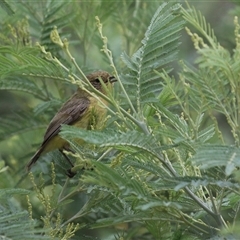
[(94, 79)]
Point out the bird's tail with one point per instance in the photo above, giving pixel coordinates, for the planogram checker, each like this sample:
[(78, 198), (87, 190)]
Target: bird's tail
[(34, 159)]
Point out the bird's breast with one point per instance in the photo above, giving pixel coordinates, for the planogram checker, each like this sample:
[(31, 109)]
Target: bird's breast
[(94, 117)]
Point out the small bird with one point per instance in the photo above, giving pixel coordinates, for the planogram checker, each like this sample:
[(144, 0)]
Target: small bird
[(81, 110)]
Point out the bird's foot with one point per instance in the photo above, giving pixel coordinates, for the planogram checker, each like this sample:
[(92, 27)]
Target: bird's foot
[(70, 173)]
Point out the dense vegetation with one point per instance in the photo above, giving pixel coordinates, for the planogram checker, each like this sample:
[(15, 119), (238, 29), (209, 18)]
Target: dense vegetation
[(166, 164)]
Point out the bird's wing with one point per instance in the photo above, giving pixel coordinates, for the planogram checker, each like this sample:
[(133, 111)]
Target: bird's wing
[(69, 113)]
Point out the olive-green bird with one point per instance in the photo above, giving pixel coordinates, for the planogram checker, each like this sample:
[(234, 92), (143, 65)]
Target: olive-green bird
[(81, 110)]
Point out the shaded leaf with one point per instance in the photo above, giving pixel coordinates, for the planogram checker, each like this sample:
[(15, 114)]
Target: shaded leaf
[(209, 156)]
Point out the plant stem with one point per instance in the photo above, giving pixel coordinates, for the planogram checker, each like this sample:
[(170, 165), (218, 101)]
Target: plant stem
[(63, 189), (109, 56), (220, 218), (215, 216)]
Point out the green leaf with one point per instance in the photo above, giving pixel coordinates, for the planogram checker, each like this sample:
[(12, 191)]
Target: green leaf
[(17, 124), (153, 204), (197, 182), (131, 141), (21, 84), (5, 193), (45, 106), (195, 18), (26, 62), (209, 156), (159, 48), (18, 225), (14, 223)]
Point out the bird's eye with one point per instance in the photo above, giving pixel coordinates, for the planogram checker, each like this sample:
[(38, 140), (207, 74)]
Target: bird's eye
[(97, 80)]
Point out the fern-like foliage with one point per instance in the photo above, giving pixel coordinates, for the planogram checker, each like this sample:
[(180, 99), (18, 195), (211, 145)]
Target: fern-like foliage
[(134, 26), (21, 226), (11, 127), (163, 169), (220, 156), (215, 82), (131, 139), (26, 62), (44, 17), (15, 223), (199, 22), (159, 48), (22, 69), (139, 195)]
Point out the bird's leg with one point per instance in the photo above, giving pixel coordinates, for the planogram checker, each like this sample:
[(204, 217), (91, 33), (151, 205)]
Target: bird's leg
[(70, 174), (66, 157)]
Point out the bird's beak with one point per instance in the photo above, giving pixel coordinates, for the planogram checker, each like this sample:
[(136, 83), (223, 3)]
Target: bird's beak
[(112, 79)]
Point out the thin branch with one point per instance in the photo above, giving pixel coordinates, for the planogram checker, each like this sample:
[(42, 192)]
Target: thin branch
[(169, 166), (221, 220), (109, 55)]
